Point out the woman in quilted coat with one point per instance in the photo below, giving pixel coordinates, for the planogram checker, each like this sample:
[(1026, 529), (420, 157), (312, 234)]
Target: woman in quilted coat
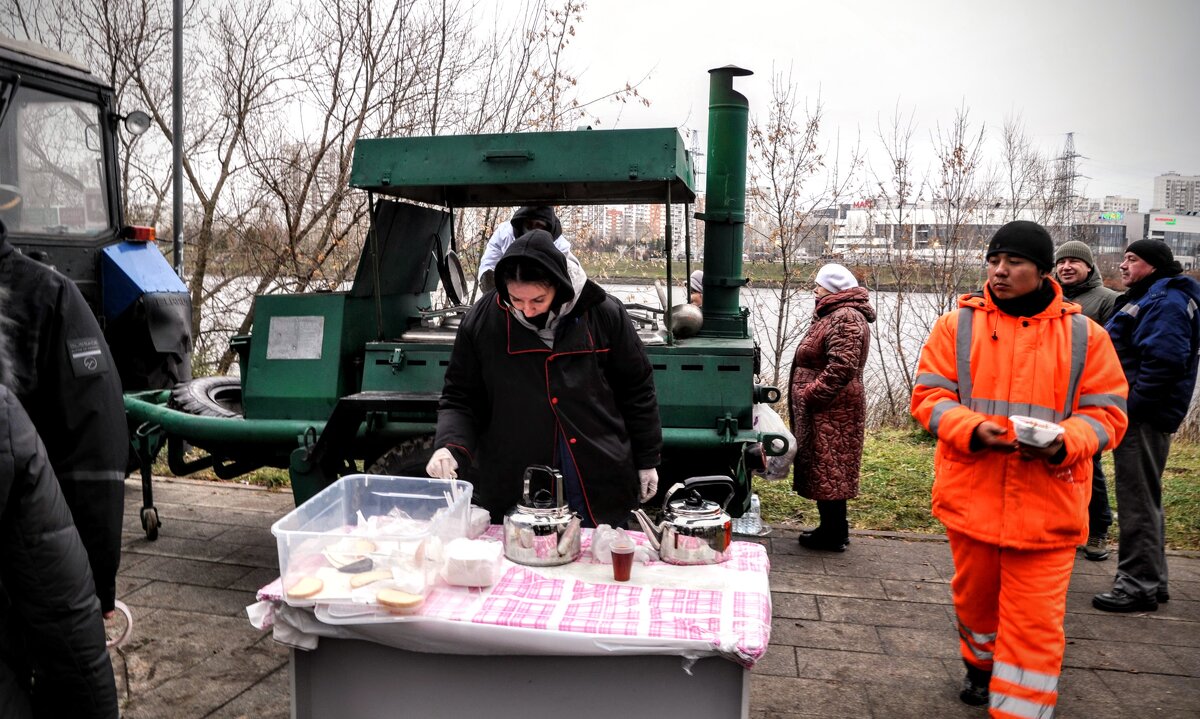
[(828, 404)]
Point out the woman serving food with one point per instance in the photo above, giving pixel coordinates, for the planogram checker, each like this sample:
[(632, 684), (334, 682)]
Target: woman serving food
[(547, 369)]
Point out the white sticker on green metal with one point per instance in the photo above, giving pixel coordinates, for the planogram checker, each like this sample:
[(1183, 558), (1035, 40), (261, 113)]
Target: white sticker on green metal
[(295, 338)]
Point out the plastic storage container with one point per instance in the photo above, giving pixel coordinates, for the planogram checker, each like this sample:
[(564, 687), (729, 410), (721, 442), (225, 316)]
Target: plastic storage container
[(368, 532)]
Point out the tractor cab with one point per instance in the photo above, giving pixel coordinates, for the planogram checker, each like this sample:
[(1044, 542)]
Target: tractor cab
[(60, 201)]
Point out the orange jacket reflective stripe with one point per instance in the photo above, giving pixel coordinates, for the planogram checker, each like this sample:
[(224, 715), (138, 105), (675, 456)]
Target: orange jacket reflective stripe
[(979, 364)]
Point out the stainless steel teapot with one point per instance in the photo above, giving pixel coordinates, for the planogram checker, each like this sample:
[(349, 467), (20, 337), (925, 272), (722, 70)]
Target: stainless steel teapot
[(693, 530), (542, 531)]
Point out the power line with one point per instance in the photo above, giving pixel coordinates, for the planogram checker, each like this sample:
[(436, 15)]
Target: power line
[(1066, 199)]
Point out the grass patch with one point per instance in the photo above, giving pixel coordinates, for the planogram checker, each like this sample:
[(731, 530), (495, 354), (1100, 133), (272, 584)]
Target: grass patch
[(267, 477), (1181, 495), (895, 486), (897, 480), (894, 489)]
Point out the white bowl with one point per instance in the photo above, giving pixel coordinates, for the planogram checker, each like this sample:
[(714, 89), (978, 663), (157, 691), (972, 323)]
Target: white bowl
[(1035, 432)]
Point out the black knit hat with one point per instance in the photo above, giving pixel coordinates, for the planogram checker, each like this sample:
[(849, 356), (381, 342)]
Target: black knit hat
[(1024, 239), (1157, 254)]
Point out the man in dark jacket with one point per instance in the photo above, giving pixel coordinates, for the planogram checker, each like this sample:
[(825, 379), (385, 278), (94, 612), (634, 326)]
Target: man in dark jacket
[(67, 382), (53, 662), (1156, 331), (547, 369), (1081, 283)]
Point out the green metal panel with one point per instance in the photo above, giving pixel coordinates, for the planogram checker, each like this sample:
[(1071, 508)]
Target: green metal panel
[(406, 367), (555, 168), (305, 354), (700, 381)]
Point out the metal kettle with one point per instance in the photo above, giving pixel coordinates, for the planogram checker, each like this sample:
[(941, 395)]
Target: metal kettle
[(542, 531), (693, 530)]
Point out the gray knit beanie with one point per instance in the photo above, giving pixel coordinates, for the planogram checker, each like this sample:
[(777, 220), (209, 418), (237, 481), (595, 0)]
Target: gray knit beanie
[(1076, 249)]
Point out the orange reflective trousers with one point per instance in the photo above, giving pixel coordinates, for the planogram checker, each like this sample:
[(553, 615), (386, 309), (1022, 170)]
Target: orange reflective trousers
[(1010, 605)]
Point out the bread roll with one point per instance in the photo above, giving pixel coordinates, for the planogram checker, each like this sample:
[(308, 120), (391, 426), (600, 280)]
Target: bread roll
[(399, 601), (305, 587)]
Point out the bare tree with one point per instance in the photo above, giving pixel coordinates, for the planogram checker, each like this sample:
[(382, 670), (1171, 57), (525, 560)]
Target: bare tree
[(275, 105), (1025, 172), (363, 78), (897, 189), (794, 178), (957, 198)]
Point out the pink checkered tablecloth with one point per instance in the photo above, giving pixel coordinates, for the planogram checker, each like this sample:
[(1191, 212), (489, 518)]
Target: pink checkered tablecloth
[(726, 606)]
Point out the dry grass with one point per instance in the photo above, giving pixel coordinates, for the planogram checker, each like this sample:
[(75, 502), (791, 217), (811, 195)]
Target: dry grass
[(897, 478)]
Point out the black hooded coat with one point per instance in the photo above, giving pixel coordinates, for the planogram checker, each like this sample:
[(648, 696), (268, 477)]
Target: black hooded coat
[(509, 398), (544, 213), (50, 622), (66, 379)]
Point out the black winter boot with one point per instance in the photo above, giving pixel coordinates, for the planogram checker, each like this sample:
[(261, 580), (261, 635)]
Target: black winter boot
[(975, 686), (833, 534), (822, 542)]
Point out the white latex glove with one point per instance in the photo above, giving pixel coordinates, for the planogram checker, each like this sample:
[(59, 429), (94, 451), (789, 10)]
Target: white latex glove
[(442, 465), (649, 481)]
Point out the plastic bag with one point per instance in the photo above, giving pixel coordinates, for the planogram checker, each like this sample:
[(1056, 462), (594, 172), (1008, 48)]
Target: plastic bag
[(768, 421), (602, 538), (479, 522)]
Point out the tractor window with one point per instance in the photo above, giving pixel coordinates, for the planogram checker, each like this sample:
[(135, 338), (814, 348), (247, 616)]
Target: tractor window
[(54, 163)]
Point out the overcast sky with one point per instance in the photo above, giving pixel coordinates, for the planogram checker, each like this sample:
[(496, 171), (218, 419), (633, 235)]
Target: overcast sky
[(1123, 76)]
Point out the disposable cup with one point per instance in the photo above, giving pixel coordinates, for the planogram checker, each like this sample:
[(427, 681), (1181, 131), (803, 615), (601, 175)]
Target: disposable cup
[(622, 559)]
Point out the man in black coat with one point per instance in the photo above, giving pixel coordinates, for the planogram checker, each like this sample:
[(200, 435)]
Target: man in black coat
[(565, 383), (66, 380), (53, 662)]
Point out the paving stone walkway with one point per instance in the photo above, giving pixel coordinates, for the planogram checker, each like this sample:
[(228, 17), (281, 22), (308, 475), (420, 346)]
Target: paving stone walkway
[(867, 633)]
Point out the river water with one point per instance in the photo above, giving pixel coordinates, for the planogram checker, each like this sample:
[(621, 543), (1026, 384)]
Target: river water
[(903, 322), (902, 325)]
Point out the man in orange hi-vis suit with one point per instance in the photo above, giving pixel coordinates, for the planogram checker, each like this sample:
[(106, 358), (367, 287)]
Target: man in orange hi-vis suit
[(1013, 512)]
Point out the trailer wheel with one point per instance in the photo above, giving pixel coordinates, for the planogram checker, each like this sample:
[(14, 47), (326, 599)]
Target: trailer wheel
[(209, 397), (407, 459), (150, 522)]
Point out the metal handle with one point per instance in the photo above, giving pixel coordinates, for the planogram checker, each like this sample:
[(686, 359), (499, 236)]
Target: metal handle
[(507, 155), (555, 476), (716, 480)]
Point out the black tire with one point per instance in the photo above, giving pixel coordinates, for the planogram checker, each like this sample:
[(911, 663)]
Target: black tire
[(407, 459), (209, 397)]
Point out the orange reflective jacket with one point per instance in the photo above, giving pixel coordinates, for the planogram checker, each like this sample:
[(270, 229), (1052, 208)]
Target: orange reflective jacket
[(979, 364)]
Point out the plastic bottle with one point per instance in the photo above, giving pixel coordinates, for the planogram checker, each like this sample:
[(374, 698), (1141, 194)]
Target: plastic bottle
[(755, 514), (750, 523)]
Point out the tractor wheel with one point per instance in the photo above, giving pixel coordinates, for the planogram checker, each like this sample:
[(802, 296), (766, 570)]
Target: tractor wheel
[(209, 397), (407, 459)]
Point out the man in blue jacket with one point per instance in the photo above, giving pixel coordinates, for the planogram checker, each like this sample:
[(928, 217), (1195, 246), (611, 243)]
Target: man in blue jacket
[(1156, 331)]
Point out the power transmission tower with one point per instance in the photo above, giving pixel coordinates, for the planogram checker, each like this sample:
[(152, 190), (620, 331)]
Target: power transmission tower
[(1064, 196)]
